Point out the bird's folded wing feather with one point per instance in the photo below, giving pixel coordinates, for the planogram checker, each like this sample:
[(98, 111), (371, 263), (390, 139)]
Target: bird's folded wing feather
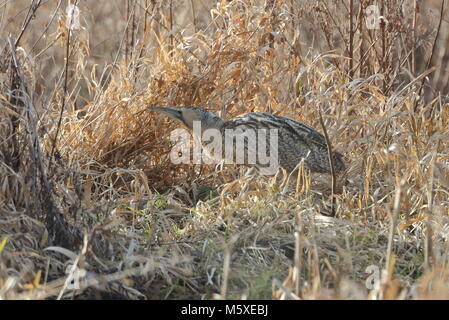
[(290, 127)]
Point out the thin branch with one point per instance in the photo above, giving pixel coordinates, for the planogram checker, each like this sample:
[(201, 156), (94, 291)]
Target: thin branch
[(431, 56), (30, 15), (331, 162), (351, 39), (66, 76)]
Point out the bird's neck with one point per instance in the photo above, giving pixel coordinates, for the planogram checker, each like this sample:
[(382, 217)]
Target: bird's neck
[(213, 123)]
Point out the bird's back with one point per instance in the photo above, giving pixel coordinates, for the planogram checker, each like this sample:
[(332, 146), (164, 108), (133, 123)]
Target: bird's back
[(271, 121)]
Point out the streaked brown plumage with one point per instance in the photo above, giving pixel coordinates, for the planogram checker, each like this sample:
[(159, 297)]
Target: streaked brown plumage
[(296, 141)]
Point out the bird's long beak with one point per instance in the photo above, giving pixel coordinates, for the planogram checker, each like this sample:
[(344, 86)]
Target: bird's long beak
[(169, 111)]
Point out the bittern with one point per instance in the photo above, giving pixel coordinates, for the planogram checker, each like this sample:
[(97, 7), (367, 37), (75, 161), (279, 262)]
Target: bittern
[(296, 141)]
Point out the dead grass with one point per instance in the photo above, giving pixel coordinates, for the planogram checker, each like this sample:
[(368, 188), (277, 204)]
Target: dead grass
[(86, 180)]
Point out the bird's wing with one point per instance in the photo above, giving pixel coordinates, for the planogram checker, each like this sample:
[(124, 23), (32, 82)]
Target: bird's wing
[(292, 128)]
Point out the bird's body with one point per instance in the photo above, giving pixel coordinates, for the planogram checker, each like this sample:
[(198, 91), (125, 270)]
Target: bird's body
[(295, 140)]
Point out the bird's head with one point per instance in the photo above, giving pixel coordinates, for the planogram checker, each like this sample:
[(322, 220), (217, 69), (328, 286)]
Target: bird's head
[(188, 115)]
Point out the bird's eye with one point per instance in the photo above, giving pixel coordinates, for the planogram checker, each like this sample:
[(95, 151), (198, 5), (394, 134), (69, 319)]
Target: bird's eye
[(180, 154)]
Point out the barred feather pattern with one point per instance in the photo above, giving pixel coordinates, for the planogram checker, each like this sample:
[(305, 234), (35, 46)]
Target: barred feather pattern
[(296, 141)]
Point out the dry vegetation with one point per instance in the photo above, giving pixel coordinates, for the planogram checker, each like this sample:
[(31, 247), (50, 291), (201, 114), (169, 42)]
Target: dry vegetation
[(85, 176)]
